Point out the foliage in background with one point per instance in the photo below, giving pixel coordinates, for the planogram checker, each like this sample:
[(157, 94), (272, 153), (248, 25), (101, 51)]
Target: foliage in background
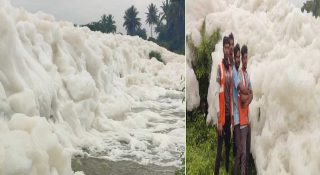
[(105, 25), (131, 21), (169, 24), (142, 33), (312, 6), (203, 62), (152, 16)]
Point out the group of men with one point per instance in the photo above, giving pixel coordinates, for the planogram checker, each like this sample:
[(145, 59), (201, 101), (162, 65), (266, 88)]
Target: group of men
[(235, 95)]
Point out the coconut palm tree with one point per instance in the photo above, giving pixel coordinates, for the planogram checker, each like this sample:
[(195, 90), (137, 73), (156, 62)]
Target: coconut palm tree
[(108, 24), (165, 11), (131, 21), (152, 16)]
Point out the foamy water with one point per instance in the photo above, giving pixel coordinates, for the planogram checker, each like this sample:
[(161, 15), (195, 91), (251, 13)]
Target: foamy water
[(284, 52), (67, 90)]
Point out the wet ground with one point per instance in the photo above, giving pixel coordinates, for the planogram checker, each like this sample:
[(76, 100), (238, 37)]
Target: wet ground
[(98, 166)]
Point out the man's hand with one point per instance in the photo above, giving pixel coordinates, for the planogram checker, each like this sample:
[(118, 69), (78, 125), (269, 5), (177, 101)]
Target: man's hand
[(220, 129)]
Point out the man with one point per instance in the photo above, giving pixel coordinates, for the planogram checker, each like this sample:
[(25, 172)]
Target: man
[(224, 82), (235, 96), (231, 41), (237, 89), (243, 105)]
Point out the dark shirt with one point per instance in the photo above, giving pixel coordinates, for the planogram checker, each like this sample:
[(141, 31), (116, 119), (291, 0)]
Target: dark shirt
[(226, 88)]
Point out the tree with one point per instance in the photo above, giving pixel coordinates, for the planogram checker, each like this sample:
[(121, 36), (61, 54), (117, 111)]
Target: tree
[(171, 25), (165, 11), (142, 33), (131, 21), (152, 16), (105, 25), (94, 26), (108, 24)]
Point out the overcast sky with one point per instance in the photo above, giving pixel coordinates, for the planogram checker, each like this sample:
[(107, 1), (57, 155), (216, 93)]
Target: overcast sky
[(298, 3), (85, 11)]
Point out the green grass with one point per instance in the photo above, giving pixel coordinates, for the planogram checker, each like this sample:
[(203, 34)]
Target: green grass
[(202, 148)]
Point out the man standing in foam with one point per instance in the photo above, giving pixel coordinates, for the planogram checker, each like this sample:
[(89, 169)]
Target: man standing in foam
[(224, 81), (243, 106), (237, 88), (232, 62), (235, 96)]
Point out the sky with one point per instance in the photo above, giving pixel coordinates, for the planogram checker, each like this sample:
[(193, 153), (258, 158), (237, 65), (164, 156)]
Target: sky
[(86, 11), (298, 3)]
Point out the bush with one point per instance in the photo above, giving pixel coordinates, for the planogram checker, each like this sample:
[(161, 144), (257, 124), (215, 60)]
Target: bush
[(152, 39), (156, 55), (203, 62)]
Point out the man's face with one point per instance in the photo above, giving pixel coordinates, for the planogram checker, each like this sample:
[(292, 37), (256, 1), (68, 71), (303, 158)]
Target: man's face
[(226, 50), (231, 48), (244, 60), (237, 59)]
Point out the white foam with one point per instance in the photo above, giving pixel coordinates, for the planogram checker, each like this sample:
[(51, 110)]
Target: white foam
[(284, 68), (90, 89)]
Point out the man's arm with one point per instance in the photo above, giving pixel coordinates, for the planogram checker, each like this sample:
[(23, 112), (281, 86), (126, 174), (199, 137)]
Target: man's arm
[(218, 79), (247, 99), (251, 93), (243, 90), (236, 82)]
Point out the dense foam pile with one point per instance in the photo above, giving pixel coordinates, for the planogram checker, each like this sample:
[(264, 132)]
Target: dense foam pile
[(284, 52), (64, 88)]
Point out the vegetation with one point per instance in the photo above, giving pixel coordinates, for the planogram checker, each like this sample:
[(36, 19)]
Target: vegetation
[(108, 24), (105, 25), (170, 27), (181, 170), (312, 6), (152, 17), (201, 146), (203, 62), (156, 55), (167, 23), (131, 21), (142, 33)]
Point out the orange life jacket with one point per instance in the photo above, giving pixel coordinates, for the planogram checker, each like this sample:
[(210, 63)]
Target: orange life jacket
[(222, 114), (243, 110)]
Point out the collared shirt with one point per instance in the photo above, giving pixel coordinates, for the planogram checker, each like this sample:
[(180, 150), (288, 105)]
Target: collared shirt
[(227, 89), (235, 94), (247, 80)]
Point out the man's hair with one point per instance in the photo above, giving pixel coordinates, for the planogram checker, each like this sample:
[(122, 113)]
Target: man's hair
[(236, 49), (244, 50), (225, 40), (231, 36)]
